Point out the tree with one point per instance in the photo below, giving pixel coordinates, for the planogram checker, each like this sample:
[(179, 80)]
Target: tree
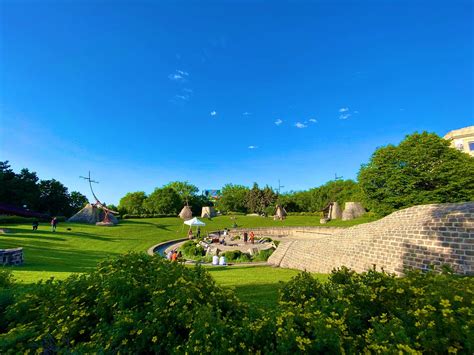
[(132, 203), (163, 201), (54, 197), (184, 189), (258, 200), (422, 169), (77, 201), (233, 198)]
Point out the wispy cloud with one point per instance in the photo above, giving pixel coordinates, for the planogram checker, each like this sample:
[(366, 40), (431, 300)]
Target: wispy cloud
[(313, 120), (247, 113), (188, 90), (278, 122), (213, 113), (343, 109), (179, 75), (300, 125), (344, 116), (253, 147), (182, 97)]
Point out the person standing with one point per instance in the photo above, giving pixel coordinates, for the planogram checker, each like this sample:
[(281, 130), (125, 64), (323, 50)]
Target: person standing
[(252, 237), (190, 234), (54, 223), (245, 237), (198, 233)]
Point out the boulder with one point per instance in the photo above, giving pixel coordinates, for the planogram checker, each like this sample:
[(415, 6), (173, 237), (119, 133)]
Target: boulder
[(336, 211), (352, 210)]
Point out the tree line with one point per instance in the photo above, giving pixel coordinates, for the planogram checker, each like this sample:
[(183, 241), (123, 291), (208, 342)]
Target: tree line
[(44, 196), (422, 169)]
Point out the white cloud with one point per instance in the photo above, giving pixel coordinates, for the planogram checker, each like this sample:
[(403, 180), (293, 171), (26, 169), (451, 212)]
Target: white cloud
[(246, 113), (344, 116), (253, 147), (179, 75), (213, 113), (313, 120), (278, 122), (300, 125), (343, 109), (182, 97)]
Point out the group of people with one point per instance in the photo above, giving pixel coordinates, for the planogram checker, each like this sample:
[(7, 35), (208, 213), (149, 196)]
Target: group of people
[(250, 237), (174, 255), (198, 233), (54, 224)]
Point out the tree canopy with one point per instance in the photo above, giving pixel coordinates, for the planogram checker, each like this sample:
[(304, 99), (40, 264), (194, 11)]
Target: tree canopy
[(422, 169)]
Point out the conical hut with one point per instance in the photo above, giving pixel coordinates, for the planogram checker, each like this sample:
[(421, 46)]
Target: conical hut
[(280, 213), (186, 213)]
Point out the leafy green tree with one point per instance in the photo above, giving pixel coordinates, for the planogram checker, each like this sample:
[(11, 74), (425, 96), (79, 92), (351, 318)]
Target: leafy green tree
[(132, 203), (184, 189), (257, 200), (163, 201), (422, 169), (54, 197), (233, 198), (77, 201)]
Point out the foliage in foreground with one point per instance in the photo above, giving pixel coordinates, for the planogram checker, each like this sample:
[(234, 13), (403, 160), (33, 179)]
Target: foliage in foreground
[(138, 304)]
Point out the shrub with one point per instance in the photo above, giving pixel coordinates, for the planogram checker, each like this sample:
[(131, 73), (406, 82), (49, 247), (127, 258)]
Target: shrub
[(263, 255), (237, 256), (17, 220), (190, 250), (133, 304)]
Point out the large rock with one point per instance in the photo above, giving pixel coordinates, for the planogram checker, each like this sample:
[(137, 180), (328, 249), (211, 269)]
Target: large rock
[(352, 210), (208, 212), (336, 211)]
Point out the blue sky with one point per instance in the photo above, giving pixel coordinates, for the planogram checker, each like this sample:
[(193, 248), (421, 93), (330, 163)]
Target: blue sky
[(143, 93)]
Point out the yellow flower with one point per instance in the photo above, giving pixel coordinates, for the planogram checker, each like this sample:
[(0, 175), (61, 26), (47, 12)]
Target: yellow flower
[(139, 331), (154, 339)]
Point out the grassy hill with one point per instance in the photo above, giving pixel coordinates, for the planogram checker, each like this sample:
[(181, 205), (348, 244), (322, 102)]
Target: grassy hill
[(59, 254)]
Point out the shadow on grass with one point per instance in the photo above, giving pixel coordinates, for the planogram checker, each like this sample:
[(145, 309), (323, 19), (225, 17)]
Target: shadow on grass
[(157, 225), (45, 259)]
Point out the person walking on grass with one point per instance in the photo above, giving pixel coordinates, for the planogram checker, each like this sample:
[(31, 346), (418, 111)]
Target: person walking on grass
[(35, 225), (54, 223)]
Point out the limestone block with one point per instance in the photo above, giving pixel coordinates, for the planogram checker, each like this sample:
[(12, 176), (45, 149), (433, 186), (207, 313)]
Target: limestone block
[(336, 211), (352, 210)]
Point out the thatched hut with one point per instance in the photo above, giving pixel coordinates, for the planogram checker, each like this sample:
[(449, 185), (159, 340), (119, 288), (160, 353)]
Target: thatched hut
[(186, 213), (280, 213)]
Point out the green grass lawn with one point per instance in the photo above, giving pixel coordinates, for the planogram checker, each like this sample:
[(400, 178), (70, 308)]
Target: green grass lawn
[(59, 254)]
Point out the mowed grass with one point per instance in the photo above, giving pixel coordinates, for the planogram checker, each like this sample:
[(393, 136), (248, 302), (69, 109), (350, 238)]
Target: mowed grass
[(59, 254)]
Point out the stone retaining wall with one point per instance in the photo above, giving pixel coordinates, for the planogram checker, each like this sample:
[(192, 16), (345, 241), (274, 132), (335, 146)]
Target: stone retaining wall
[(287, 231), (414, 237), (11, 256)]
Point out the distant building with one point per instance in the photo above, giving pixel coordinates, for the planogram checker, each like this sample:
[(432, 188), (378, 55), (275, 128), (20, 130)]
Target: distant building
[(462, 139)]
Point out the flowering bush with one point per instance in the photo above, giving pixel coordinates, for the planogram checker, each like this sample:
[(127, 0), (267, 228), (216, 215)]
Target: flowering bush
[(142, 304), (132, 304)]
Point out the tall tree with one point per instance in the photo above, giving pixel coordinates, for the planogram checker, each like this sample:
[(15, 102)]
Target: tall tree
[(184, 189), (163, 201), (422, 169), (54, 197), (233, 198), (77, 201), (132, 203)]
